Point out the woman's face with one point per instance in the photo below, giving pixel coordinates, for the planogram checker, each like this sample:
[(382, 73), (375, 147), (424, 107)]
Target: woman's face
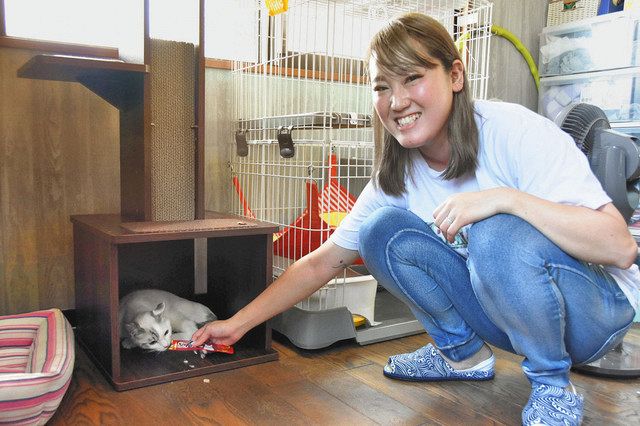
[(415, 107)]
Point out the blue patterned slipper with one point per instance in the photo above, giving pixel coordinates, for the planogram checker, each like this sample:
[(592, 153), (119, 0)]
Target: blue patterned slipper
[(427, 365), (551, 406)]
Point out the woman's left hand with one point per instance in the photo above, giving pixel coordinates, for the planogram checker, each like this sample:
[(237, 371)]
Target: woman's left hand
[(607, 241), (464, 208)]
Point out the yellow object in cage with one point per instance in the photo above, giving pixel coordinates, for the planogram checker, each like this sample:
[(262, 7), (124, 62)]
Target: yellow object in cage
[(276, 6), (358, 320)]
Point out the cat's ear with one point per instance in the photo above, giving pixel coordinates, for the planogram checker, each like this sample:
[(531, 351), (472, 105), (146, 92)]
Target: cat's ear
[(158, 310), (133, 329)]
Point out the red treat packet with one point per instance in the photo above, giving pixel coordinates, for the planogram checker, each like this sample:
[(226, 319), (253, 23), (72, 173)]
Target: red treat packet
[(185, 345)]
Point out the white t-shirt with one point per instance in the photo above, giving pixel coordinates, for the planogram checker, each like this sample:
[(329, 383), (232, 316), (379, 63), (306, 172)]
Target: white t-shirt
[(517, 149)]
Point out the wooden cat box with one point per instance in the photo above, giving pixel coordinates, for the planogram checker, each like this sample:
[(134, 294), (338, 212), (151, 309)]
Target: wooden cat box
[(113, 258)]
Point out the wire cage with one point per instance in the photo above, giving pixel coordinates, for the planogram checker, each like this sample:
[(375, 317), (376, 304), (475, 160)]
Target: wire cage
[(303, 137)]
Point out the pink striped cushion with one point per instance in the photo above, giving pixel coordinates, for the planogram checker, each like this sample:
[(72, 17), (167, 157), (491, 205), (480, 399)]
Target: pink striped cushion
[(42, 345), (14, 359)]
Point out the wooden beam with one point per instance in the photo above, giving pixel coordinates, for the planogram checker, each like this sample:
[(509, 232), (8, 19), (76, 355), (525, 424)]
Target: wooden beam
[(223, 64), (3, 26), (278, 71), (275, 70)]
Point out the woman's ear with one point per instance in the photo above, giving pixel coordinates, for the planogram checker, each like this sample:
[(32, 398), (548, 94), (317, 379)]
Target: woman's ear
[(457, 75)]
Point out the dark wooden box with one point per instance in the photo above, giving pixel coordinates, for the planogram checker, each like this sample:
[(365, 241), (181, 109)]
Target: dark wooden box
[(113, 258)]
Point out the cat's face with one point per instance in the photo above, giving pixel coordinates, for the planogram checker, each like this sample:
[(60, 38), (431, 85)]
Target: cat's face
[(151, 330)]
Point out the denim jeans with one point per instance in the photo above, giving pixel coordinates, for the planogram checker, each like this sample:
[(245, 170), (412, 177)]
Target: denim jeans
[(516, 290)]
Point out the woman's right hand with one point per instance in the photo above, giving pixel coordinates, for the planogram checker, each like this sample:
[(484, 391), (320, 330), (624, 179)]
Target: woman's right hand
[(299, 281), (222, 331)]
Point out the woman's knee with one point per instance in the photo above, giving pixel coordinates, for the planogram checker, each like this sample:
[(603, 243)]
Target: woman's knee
[(504, 237), (382, 224), (504, 248)]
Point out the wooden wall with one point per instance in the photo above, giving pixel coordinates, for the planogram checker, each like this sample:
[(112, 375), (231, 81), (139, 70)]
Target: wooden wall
[(59, 155), (509, 76)]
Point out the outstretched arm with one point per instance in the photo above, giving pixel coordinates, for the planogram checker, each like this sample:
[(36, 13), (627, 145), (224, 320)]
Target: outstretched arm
[(299, 281), (598, 236)]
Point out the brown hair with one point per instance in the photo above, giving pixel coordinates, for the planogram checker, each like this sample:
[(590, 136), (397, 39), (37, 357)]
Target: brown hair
[(414, 40)]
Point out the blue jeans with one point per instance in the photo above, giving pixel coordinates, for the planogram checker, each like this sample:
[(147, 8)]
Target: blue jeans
[(517, 291)]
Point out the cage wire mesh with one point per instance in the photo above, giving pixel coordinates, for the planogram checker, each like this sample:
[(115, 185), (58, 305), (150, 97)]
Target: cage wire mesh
[(303, 137)]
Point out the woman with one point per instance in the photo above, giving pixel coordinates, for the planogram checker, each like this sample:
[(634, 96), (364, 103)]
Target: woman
[(486, 220)]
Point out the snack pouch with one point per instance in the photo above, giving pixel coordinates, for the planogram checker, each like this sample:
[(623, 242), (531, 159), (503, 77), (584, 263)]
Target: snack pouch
[(185, 345)]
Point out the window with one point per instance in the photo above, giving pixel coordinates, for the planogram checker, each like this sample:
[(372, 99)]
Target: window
[(231, 25), (231, 30), (113, 23), (338, 22), (234, 29), (175, 20)]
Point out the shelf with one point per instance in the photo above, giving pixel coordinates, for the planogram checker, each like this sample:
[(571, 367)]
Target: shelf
[(69, 68), (570, 78), (115, 229), (117, 82)]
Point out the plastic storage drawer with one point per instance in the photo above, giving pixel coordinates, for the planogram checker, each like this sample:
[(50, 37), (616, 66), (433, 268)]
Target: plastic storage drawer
[(616, 92), (595, 44)]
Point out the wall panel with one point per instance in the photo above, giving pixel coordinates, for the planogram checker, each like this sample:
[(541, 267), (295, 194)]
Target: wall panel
[(59, 155), (509, 76)]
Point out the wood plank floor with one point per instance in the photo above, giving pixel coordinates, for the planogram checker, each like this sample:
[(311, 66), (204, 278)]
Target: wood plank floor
[(340, 385)]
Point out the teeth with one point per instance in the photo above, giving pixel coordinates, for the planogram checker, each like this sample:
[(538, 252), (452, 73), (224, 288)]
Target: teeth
[(408, 119)]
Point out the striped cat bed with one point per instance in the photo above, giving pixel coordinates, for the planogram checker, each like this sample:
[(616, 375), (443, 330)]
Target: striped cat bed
[(37, 353)]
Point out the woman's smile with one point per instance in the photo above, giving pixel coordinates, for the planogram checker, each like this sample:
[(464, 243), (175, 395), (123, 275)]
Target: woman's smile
[(407, 120)]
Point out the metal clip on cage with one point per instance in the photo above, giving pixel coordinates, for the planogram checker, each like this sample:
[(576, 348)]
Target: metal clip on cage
[(285, 141), (242, 149)]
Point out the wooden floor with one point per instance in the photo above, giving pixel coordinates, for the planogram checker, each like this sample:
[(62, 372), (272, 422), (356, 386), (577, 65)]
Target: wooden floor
[(339, 385)]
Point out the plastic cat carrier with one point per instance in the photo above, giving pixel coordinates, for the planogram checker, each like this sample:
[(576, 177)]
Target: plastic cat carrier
[(303, 146)]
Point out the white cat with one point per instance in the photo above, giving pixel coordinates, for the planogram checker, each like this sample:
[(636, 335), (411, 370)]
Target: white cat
[(150, 319)]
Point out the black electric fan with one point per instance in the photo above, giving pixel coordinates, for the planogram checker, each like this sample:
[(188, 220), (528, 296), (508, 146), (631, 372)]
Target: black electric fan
[(614, 158)]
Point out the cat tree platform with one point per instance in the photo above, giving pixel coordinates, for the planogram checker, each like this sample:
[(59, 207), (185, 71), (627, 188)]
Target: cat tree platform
[(114, 256)]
